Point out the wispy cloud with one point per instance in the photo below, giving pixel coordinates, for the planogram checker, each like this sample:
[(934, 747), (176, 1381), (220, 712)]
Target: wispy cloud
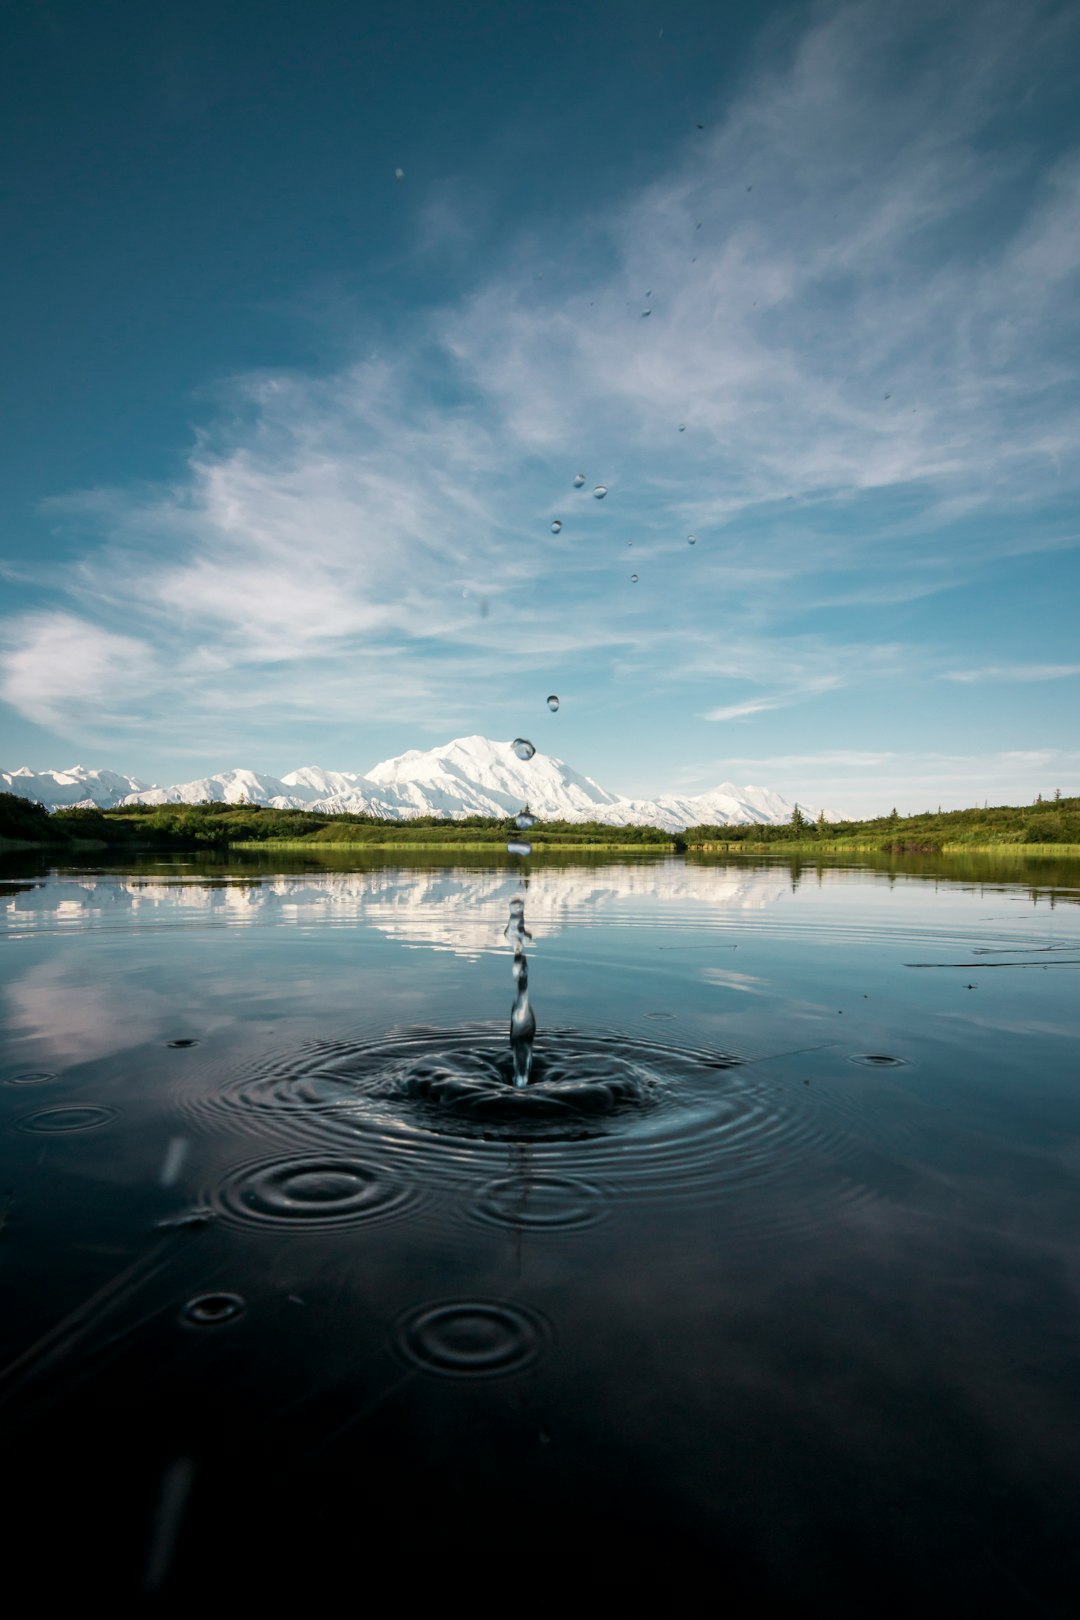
[(778, 700), (57, 669), (1012, 672)]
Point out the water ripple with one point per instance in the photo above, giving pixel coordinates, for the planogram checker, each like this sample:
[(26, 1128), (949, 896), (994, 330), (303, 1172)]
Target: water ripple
[(608, 1119), (65, 1117), (212, 1310), (472, 1338), (313, 1192), (540, 1203)]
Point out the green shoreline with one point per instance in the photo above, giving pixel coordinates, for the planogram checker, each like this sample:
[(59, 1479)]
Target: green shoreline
[(743, 846), (829, 847), (1048, 827), (539, 846)]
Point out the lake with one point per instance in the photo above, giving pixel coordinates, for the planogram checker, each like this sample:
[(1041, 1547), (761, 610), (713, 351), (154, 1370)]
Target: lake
[(770, 1278)]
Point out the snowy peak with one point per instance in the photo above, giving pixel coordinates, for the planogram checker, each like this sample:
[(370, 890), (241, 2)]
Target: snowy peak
[(473, 776), (470, 776), (71, 787)]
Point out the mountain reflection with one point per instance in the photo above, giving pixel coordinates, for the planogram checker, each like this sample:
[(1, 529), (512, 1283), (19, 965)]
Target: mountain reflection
[(449, 909)]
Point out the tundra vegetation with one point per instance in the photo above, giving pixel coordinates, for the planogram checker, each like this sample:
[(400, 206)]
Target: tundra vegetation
[(1052, 821)]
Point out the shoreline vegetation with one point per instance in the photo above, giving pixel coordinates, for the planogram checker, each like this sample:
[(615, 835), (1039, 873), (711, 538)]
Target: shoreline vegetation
[(1050, 826)]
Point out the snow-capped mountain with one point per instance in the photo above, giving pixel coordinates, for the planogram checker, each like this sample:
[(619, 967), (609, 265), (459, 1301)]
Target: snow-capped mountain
[(65, 789), (471, 776)]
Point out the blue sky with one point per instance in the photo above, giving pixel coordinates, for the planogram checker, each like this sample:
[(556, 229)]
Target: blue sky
[(286, 434)]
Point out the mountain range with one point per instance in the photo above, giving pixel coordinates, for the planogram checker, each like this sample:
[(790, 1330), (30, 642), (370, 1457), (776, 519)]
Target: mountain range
[(471, 776)]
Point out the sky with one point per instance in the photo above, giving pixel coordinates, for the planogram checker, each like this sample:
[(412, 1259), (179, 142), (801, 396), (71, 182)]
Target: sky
[(314, 314)]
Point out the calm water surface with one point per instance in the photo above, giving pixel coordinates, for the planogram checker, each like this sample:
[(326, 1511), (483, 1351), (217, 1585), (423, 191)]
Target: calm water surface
[(772, 1276)]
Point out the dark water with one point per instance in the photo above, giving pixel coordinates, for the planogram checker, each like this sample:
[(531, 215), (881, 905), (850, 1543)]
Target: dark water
[(769, 1277)]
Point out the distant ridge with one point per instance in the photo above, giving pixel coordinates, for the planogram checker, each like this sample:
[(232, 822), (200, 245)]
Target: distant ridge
[(470, 776)]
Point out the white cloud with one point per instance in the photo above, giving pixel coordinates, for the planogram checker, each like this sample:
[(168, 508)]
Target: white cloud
[(58, 669), (1013, 672)]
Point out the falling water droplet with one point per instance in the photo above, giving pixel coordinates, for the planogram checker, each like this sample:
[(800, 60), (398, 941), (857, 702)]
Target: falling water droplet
[(553, 702), (524, 821), (682, 427), (645, 312), (399, 174), (556, 525), (518, 846), (600, 491), (523, 748), (633, 579), (691, 539), (579, 479)]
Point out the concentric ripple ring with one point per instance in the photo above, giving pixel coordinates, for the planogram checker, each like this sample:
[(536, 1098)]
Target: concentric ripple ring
[(68, 1117), (313, 1192), (472, 1338)]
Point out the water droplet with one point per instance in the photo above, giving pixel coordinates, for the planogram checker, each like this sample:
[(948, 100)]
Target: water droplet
[(691, 539), (682, 427), (600, 491), (645, 312), (553, 702), (579, 479), (556, 526), (523, 748), (524, 821), (633, 579), (888, 396), (518, 846), (208, 1310), (399, 174)]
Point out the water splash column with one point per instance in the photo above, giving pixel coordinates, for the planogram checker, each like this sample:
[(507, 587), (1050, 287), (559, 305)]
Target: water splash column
[(522, 1017)]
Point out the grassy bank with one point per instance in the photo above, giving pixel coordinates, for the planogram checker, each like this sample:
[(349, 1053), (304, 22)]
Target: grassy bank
[(779, 846), (488, 846), (1051, 825)]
